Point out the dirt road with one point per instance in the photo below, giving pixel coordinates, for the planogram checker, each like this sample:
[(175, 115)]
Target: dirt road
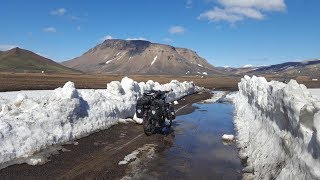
[(98, 155)]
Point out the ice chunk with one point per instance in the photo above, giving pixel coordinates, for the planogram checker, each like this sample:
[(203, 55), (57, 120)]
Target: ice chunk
[(228, 137)]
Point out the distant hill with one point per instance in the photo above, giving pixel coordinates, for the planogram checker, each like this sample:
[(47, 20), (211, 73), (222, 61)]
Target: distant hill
[(140, 57), (305, 68), (21, 60), (309, 68)]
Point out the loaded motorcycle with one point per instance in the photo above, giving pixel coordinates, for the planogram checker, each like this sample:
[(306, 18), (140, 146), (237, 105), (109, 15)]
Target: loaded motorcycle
[(154, 110)]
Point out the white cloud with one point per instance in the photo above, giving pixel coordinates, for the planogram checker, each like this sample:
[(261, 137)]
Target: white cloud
[(110, 37), (248, 66), (238, 10), (6, 47), (189, 4), (168, 40), (106, 37), (50, 29), (176, 30), (74, 18), (58, 12), (268, 5), (139, 38)]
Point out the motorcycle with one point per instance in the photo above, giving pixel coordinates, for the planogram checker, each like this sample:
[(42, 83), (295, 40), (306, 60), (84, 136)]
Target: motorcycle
[(154, 110)]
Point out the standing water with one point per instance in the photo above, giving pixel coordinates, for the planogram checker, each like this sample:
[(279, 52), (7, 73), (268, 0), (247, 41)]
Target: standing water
[(198, 151)]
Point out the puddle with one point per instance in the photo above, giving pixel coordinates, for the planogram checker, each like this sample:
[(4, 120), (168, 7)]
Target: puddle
[(198, 151)]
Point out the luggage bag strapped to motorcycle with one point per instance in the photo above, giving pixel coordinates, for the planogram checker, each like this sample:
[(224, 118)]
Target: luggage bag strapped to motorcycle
[(143, 101), (171, 114)]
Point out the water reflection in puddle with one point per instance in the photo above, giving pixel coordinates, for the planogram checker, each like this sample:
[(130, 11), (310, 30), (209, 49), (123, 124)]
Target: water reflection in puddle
[(197, 151)]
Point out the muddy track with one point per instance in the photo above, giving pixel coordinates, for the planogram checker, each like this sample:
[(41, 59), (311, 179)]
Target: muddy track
[(97, 156)]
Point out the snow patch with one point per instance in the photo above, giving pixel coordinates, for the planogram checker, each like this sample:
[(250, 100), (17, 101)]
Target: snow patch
[(129, 157), (215, 97), (116, 58), (147, 149), (154, 60), (278, 129), (200, 65), (205, 73)]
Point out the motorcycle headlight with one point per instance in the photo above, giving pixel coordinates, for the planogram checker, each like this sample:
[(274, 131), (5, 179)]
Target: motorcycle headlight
[(153, 112), (139, 110)]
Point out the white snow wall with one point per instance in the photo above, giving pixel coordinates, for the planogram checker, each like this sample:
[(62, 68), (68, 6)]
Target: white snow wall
[(278, 129), (28, 125)]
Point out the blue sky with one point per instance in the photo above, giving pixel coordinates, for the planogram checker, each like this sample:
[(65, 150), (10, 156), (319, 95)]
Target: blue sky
[(225, 32)]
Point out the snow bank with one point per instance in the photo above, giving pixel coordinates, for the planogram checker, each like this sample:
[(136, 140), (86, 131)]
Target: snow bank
[(315, 93), (278, 129), (216, 96), (28, 125)]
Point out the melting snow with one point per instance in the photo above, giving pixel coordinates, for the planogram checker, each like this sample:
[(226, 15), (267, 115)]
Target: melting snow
[(29, 124), (154, 60), (278, 129), (216, 96), (129, 157), (205, 73), (228, 137), (148, 150), (315, 93), (116, 58), (200, 65)]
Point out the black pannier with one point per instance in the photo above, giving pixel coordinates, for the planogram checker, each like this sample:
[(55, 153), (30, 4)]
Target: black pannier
[(143, 103), (171, 114)]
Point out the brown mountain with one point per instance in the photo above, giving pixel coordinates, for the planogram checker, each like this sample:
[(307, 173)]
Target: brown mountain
[(21, 60), (140, 57)]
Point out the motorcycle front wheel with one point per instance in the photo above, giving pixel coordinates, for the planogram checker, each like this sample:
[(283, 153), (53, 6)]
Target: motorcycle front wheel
[(149, 126)]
